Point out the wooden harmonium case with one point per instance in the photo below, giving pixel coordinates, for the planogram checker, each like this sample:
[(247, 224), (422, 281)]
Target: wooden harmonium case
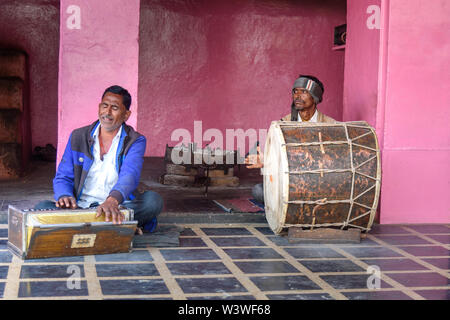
[(57, 233)]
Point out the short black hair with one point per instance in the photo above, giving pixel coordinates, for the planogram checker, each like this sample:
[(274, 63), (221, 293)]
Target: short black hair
[(315, 80), (126, 97)]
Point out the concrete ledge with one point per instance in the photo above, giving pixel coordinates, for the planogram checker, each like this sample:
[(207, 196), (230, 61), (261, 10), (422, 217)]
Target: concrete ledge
[(207, 217)]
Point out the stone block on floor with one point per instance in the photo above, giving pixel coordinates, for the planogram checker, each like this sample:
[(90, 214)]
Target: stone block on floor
[(224, 182), (217, 173), (176, 169), (177, 180)]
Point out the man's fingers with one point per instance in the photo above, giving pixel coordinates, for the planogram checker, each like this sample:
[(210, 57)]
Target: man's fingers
[(99, 212), (73, 202), (66, 202), (111, 210), (251, 159), (61, 203), (107, 215), (121, 217), (117, 216)]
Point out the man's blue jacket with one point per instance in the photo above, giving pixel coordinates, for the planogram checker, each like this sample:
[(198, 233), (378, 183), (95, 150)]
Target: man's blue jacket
[(78, 158)]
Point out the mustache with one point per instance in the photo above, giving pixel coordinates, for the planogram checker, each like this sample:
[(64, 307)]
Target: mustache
[(105, 116)]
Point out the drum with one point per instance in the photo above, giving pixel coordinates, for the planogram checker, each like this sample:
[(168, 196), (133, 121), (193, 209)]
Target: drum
[(321, 175)]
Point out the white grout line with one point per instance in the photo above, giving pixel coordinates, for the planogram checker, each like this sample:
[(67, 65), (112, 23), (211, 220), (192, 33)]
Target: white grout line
[(11, 290), (384, 277), (427, 238), (228, 262), (311, 275), (172, 285), (412, 257), (93, 283)]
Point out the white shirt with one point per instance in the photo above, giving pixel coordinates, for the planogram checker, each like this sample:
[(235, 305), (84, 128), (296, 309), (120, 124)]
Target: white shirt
[(313, 118), (102, 175)]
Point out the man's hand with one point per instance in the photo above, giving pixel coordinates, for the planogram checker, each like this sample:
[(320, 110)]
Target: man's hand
[(254, 160), (66, 202), (111, 210)]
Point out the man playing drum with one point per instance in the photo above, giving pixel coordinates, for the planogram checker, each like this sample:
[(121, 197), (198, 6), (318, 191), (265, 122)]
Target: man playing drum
[(307, 93)]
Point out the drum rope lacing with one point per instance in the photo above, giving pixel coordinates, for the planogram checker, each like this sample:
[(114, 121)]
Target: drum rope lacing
[(353, 177), (353, 169)]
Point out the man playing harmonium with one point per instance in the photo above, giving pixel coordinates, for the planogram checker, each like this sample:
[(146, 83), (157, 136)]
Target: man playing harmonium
[(101, 167), (307, 93)]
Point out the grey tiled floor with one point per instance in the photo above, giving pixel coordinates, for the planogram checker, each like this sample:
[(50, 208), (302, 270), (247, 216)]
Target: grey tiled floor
[(244, 261)]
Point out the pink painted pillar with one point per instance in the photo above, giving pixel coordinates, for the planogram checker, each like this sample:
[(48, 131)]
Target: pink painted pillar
[(98, 48), (413, 112)]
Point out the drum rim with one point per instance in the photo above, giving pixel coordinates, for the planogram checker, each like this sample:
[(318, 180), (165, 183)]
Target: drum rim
[(285, 191)]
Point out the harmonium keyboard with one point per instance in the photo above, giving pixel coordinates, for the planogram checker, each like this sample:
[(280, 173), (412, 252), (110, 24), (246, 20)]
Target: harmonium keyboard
[(67, 232)]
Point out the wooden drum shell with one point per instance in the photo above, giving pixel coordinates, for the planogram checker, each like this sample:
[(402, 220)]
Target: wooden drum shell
[(321, 175)]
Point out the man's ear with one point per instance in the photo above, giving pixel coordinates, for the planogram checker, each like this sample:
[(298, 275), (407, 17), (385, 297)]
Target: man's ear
[(127, 115)]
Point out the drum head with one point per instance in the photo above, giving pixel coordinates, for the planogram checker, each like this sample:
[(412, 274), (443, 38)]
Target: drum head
[(276, 178)]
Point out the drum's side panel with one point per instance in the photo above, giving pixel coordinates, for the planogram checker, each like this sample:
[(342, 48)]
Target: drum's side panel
[(316, 157), (316, 214), (362, 136), (307, 134), (365, 154), (320, 170)]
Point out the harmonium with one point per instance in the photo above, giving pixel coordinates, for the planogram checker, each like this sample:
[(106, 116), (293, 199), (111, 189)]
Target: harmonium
[(67, 232)]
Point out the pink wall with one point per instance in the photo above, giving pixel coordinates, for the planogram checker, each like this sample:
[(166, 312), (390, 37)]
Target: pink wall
[(414, 111), (231, 64), (101, 53), (33, 27), (361, 67)]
